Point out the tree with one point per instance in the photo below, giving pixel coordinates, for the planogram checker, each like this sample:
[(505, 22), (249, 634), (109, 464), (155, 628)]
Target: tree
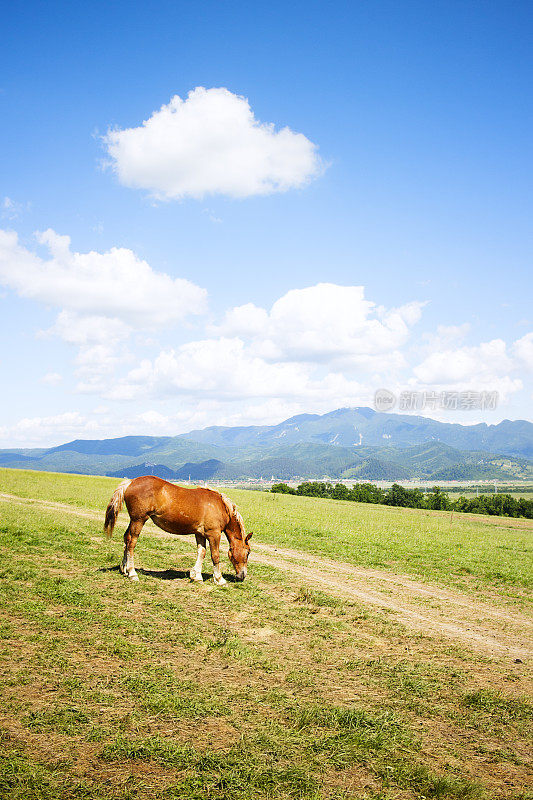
[(341, 492), (282, 488), (437, 500)]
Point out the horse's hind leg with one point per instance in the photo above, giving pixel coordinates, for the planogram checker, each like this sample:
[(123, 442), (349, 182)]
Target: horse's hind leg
[(124, 561), (130, 540), (196, 571)]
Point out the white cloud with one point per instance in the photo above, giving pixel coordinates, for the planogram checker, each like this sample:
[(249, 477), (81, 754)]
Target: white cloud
[(95, 364), (220, 367), (315, 349), (247, 320), (31, 430), (523, 351), (104, 296), (227, 371), (114, 284), (52, 378), (326, 323), (445, 337), (302, 351), (482, 363), (210, 143), (83, 330), (484, 367), (153, 419)]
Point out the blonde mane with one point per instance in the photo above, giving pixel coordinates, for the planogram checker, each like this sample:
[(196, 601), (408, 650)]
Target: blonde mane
[(232, 510)]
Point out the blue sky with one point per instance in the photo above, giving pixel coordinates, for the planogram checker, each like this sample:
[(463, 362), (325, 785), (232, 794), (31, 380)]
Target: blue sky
[(413, 181)]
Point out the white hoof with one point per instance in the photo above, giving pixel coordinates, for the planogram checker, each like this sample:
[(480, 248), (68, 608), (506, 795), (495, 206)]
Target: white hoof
[(195, 576), (219, 581), (132, 575)]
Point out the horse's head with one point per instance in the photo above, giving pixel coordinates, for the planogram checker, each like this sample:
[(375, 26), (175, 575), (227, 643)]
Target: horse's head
[(238, 553)]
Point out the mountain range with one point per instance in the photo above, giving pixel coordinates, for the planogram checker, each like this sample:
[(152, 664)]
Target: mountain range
[(351, 443)]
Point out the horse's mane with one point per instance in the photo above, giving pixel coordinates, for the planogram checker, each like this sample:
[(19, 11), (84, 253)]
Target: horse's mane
[(232, 510)]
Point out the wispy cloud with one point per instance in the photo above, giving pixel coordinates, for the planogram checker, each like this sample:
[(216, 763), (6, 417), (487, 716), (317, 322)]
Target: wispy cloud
[(12, 210)]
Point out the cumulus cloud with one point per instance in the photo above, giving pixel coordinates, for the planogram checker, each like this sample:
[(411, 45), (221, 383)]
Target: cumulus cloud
[(315, 349), (246, 320), (487, 366), (104, 297), (114, 284), (485, 361), (445, 337), (90, 329), (30, 430), (227, 370), (210, 143), (222, 367), (325, 323), (95, 364), (523, 351), (302, 350)]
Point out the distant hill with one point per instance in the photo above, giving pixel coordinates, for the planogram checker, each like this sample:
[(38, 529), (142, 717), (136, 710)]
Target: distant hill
[(356, 427), (124, 446), (357, 444), (144, 469), (109, 456), (202, 471)]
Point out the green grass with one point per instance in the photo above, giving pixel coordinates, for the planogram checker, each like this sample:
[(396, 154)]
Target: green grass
[(437, 546), (77, 490), (431, 545), (506, 709), (64, 720), (262, 690)]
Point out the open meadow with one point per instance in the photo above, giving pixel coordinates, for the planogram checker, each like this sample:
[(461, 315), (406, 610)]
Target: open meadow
[(373, 652)]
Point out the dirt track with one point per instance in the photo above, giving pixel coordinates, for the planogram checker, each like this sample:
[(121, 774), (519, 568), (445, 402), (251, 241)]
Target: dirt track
[(432, 610)]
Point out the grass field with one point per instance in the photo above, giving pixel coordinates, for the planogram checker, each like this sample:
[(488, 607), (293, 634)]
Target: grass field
[(274, 688)]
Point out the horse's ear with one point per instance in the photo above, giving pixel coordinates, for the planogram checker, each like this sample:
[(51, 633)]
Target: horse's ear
[(248, 537)]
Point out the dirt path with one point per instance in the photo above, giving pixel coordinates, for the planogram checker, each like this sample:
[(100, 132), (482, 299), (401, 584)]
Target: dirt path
[(514, 641), (405, 583), (485, 627)]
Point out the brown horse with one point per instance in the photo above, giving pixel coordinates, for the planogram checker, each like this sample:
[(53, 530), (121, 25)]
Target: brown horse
[(204, 512)]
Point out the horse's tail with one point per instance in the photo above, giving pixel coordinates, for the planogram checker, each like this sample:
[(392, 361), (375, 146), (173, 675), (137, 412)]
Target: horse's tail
[(113, 509)]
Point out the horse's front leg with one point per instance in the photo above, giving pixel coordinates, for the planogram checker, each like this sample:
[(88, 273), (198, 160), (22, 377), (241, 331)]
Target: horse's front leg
[(214, 546), (196, 571)]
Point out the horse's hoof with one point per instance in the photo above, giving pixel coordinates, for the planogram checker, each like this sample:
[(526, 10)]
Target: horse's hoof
[(220, 581), (133, 577), (196, 576)]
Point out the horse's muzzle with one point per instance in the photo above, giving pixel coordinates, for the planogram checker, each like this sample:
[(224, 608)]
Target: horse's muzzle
[(240, 576)]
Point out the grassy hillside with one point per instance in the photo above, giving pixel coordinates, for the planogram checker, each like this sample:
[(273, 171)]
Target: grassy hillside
[(460, 549), (266, 690)]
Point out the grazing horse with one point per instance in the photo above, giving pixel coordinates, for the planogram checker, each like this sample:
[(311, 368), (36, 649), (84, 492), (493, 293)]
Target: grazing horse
[(176, 509)]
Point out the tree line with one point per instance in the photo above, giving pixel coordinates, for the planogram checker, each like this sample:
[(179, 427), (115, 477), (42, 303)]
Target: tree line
[(501, 505)]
